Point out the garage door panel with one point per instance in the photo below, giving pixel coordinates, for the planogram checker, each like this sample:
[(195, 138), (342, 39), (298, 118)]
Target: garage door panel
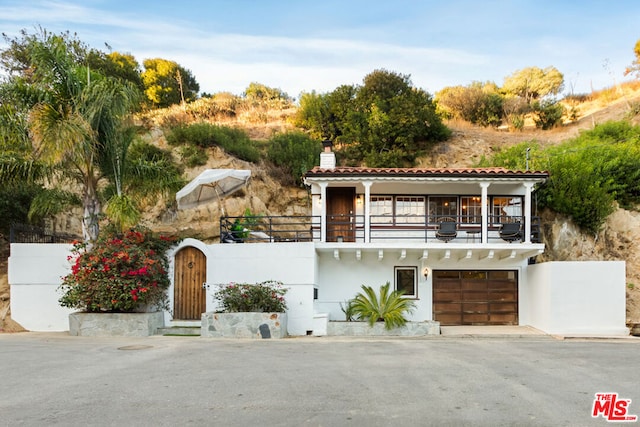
[(475, 318), (502, 286), (476, 297), (503, 307), (478, 307), (448, 285), (502, 296), (503, 319), (449, 319), (446, 296), (449, 308), (474, 285)]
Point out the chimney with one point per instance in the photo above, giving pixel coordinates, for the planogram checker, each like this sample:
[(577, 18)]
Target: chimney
[(328, 157)]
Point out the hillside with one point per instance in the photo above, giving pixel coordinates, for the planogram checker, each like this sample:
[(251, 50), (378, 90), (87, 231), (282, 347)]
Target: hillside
[(265, 195)]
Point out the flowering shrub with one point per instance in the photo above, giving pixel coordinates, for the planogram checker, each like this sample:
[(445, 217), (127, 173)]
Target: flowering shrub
[(265, 297), (120, 272)]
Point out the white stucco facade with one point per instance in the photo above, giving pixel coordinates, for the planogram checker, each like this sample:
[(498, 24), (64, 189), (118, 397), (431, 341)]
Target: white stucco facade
[(565, 298), (368, 227)]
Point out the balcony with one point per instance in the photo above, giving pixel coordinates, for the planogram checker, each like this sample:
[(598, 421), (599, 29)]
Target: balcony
[(380, 229)]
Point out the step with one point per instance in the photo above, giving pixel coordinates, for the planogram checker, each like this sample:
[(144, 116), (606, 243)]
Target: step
[(180, 331)]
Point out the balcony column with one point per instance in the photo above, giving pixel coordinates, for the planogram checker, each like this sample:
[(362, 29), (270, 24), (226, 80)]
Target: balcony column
[(484, 186), (528, 186), (323, 211), (367, 211)]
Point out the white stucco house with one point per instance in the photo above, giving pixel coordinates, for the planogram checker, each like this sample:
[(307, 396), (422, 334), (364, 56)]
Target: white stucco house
[(461, 242)]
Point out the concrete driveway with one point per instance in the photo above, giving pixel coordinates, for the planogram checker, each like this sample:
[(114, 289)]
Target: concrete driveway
[(55, 379)]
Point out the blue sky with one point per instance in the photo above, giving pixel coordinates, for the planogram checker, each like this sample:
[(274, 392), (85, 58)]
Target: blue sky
[(309, 45)]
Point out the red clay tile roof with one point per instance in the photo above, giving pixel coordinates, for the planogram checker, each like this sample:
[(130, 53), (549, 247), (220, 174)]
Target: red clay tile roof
[(424, 172)]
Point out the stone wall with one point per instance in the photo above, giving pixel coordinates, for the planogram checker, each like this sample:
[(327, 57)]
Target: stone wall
[(410, 329), (115, 324), (244, 325)]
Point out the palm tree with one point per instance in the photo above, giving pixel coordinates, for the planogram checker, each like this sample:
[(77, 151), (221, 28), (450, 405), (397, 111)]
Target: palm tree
[(80, 126)]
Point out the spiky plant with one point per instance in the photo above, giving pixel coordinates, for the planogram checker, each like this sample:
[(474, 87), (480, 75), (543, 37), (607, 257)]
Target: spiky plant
[(389, 306), (347, 309)]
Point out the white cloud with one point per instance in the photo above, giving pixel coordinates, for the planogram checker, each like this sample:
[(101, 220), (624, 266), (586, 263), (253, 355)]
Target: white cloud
[(229, 62)]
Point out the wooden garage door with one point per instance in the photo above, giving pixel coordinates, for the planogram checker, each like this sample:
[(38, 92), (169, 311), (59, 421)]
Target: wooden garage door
[(478, 297)]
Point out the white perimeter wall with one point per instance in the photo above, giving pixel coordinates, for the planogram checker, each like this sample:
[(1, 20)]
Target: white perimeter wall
[(293, 264), (35, 273), (576, 298)]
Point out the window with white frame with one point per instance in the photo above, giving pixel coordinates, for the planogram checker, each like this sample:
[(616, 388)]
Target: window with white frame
[(506, 209), (381, 209), (407, 281), (471, 209), (410, 210)]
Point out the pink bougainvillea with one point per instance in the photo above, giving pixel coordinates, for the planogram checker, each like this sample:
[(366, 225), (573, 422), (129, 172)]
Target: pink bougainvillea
[(120, 273)]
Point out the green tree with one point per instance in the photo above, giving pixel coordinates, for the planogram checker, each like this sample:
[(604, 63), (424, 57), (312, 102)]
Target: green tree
[(21, 177), (313, 115), (478, 103), (329, 115), (397, 121), (259, 92), (534, 83), (117, 65), (384, 122), (635, 65), (78, 123), (167, 83)]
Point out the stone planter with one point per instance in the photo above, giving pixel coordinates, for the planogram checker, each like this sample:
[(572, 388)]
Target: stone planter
[(244, 325), (115, 324), (410, 329)]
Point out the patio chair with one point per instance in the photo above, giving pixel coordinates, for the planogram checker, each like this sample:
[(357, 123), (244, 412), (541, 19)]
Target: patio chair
[(511, 231), (230, 237), (447, 230)]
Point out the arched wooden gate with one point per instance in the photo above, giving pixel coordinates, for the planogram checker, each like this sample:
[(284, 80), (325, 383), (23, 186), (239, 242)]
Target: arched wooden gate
[(189, 295)]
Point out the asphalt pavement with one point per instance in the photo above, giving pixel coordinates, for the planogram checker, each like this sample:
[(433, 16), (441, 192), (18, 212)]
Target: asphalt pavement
[(55, 379)]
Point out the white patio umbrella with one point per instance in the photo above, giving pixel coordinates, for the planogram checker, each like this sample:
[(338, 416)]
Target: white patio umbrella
[(210, 185)]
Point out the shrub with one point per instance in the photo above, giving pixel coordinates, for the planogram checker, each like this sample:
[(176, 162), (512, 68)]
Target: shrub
[(547, 114), (234, 141), (121, 272), (193, 156), (477, 103), (347, 309), (294, 152), (587, 173), (265, 297), (389, 307)]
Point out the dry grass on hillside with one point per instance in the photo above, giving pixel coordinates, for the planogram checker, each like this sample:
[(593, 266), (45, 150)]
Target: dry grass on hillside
[(260, 119), (469, 142)]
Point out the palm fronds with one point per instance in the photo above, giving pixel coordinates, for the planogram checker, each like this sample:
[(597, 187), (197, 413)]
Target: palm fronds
[(389, 306)]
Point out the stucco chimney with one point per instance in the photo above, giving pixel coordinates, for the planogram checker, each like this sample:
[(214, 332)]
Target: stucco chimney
[(328, 157)]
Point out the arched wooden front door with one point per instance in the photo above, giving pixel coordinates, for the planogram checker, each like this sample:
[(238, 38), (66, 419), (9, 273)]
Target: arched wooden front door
[(189, 296)]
